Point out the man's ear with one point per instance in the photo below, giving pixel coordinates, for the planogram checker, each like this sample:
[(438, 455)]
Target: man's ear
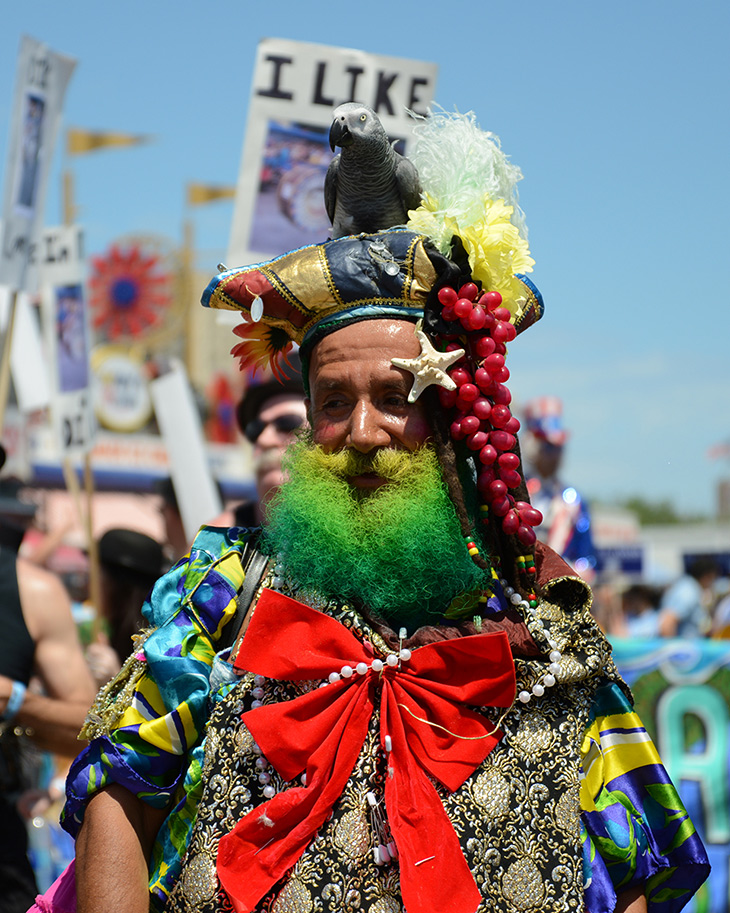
[(308, 407)]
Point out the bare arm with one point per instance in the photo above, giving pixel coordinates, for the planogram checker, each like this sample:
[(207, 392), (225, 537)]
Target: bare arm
[(633, 901), (56, 717), (112, 852)]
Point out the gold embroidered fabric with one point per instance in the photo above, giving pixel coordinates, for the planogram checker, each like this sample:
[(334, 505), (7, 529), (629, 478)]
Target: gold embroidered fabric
[(517, 816)]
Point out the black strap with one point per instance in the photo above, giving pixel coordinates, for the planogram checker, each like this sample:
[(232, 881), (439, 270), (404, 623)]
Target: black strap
[(254, 565)]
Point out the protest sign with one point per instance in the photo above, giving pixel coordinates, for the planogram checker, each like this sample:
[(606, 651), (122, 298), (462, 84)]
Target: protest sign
[(279, 202)]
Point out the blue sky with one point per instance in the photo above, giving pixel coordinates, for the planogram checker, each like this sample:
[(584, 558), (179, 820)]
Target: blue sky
[(616, 113)]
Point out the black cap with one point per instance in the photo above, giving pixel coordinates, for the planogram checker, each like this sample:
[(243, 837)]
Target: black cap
[(257, 394), (129, 550)]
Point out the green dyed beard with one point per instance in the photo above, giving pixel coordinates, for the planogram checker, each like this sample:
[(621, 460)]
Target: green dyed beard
[(397, 549)]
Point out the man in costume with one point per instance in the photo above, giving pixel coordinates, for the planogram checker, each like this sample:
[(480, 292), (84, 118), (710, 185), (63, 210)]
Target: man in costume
[(566, 526), (417, 711)]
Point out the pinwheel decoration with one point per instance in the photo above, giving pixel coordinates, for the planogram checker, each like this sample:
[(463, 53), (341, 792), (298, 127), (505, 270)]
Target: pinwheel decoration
[(129, 291)]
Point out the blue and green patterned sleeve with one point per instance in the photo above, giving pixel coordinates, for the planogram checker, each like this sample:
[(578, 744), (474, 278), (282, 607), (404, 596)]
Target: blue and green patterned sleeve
[(155, 748), (634, 827)]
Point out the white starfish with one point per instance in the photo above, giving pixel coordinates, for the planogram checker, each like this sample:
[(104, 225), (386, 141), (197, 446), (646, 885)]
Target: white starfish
[(430, 366)]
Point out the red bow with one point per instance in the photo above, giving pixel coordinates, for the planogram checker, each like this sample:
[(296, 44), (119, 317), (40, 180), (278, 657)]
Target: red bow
[(431, 732)]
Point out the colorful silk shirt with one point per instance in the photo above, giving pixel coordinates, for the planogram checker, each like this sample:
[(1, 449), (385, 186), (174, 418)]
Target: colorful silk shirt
[(633, 826)]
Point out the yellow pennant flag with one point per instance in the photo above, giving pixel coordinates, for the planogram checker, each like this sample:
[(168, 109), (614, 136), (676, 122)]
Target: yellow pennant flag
[(206, 193), (79, 142)]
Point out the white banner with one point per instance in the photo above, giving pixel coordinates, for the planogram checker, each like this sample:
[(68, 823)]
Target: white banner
[(179, 423), (40, 86), (279, 202), (60, 264)]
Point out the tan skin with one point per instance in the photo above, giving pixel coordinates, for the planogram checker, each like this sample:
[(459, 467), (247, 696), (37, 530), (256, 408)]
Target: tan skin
[(359, 400), (53, 718), (271, 445)]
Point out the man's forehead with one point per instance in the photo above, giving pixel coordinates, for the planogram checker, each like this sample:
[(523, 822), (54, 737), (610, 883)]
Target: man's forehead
[(366, 341)]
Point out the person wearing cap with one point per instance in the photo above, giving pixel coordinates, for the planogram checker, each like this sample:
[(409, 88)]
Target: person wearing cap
[(566, 525), (393, 697), (130, 562), (269, 415), (39, 640)]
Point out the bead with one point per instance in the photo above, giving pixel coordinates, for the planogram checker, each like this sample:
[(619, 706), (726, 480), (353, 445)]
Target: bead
[(473, 551), (361, 669), (256, 704), (513, 425), (384, 853), (477, 441), (487, 455), (405, 654), (269, 791), (468, 392), (500, 506), (485, 347), (456, 431), (494, 361), (511, 479), (492, 300), (333, 677), (258, 679), (524, 696), (391, 659), (258, 693), (498, 489), (555, 656), (509, 461), (501, 374), (515, 599), (501, 395), (554, 668), (303, 779), (500, 416), (377, 665), (447, 398), (346, 671), (548, 680), (538, 690), (460, 376), (264, 777), (468, 290), (481, 407), (508, 590), (463, 308), (262, 763), (526, 535), (470, 424), (483, 379), (502, 440), (477, 318), (447, 296), (500, 332), (388, 743)]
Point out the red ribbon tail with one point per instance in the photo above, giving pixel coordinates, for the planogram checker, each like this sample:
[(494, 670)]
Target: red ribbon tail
[(269, 840)]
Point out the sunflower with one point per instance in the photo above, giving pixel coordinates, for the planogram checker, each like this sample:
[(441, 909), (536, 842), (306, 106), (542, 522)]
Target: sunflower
[(263, 346)]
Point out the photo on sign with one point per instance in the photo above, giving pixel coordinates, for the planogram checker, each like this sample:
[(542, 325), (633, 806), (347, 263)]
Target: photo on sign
[(29, 161), (289, 209), (72, 343)]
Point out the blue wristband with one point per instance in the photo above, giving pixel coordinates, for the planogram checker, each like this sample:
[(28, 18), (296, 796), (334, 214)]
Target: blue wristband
[(15, 701)]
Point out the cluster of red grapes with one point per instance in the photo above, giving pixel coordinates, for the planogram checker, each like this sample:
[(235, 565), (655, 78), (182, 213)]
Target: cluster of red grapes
[(484, 420)]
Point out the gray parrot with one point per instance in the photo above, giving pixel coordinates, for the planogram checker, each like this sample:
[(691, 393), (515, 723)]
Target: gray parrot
[(369, 186)]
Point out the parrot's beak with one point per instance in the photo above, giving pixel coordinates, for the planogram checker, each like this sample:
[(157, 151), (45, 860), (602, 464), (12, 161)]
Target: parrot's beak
[(339, 134)]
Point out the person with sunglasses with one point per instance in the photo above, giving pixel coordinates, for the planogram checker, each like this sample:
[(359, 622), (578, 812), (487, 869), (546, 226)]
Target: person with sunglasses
[(269, 416)]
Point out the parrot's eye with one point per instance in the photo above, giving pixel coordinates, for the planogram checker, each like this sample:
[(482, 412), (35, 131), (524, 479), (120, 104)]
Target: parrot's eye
[(363, 117)]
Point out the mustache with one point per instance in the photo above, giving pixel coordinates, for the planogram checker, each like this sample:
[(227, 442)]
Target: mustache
[(389, 464)]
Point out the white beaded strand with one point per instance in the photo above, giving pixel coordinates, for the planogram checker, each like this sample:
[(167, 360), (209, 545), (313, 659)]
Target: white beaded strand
[(549, 678)]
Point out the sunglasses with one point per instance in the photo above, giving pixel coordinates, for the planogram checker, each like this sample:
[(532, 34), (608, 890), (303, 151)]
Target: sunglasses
[(284, 424)]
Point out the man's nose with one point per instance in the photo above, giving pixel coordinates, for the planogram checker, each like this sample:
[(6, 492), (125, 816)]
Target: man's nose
[(367, 428)]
